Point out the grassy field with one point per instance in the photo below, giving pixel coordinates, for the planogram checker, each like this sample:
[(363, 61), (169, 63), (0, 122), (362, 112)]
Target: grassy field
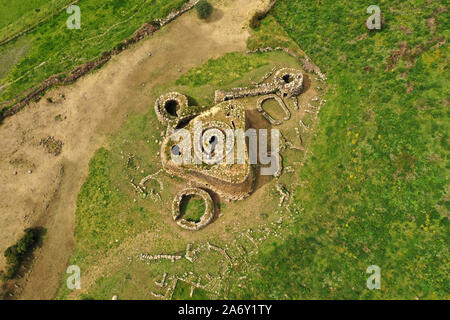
[(18, 16), (270, 34), (52, 48), (11, 55), (113, 221), (222, 71), (375, 189), (273, 109)]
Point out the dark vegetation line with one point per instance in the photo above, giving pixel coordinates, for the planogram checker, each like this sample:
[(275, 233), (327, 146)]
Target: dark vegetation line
[(17, 253), (258, 16)]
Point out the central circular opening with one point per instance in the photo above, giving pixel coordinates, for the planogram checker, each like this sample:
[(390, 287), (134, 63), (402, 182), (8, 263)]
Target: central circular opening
[(212, 142), (176, 150), (287, 78), (171, 107)]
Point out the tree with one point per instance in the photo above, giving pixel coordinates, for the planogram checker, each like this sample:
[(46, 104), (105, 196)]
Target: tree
[(14, 254), (204, 9), (255, 21)]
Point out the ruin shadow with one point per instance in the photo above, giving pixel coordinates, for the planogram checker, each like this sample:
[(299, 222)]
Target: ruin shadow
[(256, 121)]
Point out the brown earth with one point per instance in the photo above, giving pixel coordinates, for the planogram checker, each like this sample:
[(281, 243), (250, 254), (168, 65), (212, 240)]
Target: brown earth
[(40, 189)]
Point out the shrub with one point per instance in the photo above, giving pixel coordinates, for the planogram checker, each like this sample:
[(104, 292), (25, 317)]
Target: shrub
[(14, 255), (204, 9), (255, 21)]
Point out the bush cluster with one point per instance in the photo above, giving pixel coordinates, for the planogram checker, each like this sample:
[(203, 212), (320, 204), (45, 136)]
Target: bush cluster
[(204, 9), (255, 21), (15, 254)]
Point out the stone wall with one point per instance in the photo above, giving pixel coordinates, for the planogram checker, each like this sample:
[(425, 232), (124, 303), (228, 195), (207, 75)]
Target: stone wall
[(286, 89), (308, 65), (205, 219), (268, 117), (175, 14), (227, 180), (160, 107), (289, 82), (226, 190)]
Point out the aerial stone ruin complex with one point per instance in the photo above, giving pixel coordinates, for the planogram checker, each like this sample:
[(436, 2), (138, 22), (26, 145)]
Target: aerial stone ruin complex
[(230, 180)]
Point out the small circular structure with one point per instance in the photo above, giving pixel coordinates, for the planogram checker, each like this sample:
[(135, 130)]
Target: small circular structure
[(268, 117), (207, 216), (169, 105), (289, 82)]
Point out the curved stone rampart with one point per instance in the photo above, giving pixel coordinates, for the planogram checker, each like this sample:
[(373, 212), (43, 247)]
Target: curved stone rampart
[(207, 216), (179, 102), (289, 82), (268, 117)]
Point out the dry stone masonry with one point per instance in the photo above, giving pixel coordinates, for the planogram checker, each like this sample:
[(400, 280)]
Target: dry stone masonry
[(268, 117), (169, 106), (229, 181), (206, 217), (175, 14), (149, 257), (287, 82)]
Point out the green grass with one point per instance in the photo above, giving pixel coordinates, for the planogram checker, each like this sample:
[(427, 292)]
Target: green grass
[(18, 16), (192, 208), (11, 55), (107, 212), (54, 49), (374, 191), (223, 70), (182, 292), (274, 109), (270, 34)]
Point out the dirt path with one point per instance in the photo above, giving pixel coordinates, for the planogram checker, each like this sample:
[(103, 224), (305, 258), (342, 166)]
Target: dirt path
[(40, 189)]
